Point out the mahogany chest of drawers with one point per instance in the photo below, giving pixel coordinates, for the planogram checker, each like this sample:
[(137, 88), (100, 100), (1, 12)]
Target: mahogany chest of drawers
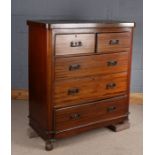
[(79, 76)]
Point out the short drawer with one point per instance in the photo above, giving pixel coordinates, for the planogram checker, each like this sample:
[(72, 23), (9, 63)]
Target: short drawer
[(72, 67), (82, 115), (70, 92), (74, 44), (111, 42)]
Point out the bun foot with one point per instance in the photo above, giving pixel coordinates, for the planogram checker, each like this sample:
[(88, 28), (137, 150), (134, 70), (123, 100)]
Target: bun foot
[(120, 126), (48, 146)]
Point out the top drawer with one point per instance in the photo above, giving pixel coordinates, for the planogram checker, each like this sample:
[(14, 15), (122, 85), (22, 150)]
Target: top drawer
[(74, 44), (111, 42)]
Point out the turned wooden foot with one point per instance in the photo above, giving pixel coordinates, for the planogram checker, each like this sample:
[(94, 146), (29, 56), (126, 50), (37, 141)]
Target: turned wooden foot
[(48, 145), (32, 133), (120, 126)]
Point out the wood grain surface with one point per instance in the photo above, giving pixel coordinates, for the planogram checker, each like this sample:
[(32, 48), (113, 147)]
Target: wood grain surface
[(112, 42), (40, 81), (74, 44), (76, 116), (80, 66), (89, 89)]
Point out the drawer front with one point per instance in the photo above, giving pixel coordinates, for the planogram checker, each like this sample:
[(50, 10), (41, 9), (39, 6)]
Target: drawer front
[(74, 44), (71, 92), (81, 115), (72, 67), (111, 42)]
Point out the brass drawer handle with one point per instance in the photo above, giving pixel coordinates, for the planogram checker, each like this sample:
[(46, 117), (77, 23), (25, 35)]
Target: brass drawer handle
[(114, 42), (73, 91), (110, 85), (111, 109), (75, 116), (74, 67), (111, 63), (75, 44)]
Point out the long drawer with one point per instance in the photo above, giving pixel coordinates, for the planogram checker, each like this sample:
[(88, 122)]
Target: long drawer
[(70, 92), (72, 67), (82, 115), (112, 42)]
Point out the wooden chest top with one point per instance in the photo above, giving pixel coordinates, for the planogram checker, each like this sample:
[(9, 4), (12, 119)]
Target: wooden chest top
[(81, 23)]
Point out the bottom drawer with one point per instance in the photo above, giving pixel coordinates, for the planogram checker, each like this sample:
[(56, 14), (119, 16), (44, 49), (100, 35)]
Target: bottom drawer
[(81, 115)]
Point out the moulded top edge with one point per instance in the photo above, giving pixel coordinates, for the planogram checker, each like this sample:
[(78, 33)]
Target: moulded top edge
[(80, 24)]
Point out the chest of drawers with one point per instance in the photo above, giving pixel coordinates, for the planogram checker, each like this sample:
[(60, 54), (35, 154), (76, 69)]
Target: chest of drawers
[(79, 76)]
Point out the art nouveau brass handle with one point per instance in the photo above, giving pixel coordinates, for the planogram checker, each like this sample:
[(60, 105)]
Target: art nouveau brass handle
[(73, 91), (111, 63), (74, 67), (111, 109), (110, 85), (114, 42), (75, 116)]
